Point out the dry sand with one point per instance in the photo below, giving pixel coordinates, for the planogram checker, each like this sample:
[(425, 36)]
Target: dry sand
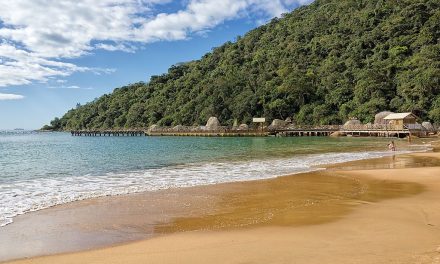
[(395, 220)]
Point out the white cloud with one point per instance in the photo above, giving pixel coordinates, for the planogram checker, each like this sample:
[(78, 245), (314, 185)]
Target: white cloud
[(297, 2), (74, 87), (38, 35), (117, 47), (4, 97), (22, 67)]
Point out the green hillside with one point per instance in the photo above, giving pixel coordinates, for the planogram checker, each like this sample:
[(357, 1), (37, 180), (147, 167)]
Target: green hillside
[(320, 64)]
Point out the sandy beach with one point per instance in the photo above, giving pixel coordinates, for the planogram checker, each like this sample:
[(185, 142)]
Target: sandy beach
[(219, 132), (386, 212)]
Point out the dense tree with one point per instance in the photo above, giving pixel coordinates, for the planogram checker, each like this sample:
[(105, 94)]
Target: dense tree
[(320, 64)]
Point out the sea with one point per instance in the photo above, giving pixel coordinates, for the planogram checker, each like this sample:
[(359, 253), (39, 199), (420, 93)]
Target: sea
[(39, 170)]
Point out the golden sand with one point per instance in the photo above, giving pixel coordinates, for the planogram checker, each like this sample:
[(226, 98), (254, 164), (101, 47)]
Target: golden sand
[(334, 216)]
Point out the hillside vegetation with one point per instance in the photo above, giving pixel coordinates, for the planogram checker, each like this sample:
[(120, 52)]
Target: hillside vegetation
[(320, 64)]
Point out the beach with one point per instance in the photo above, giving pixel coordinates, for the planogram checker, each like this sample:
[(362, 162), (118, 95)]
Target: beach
[(234, 131), (378, 211)]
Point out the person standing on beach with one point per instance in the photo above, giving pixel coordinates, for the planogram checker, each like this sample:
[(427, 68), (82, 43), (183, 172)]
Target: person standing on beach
[(392, 146)]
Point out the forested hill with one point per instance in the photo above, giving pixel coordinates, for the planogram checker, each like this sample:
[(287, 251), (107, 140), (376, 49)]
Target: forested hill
[(319, 64)]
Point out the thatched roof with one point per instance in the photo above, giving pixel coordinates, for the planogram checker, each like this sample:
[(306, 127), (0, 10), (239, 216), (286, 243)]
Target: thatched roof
[(277, 123), (243, 127), (153, 127), (213, 123), (178, 128), (379, 118), (352, 122), (399, 116), (428, 126)]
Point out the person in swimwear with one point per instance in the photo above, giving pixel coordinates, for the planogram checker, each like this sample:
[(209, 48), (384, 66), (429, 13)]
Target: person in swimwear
[(392, 146)]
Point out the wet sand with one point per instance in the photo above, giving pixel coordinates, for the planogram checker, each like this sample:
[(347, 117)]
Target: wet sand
[(341, 215)]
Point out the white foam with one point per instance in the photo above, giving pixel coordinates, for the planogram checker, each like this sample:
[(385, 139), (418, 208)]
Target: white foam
[(25, 196)]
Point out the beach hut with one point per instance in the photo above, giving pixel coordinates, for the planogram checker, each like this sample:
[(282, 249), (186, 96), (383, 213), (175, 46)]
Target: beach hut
[(153, 128), (353, 123), (428, 126), (401, 121), (379, 117), (243, 127), (213, 123), (277, 123), (178, 128)]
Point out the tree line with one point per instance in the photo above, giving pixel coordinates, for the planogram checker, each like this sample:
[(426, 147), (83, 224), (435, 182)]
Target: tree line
[(319, 64)]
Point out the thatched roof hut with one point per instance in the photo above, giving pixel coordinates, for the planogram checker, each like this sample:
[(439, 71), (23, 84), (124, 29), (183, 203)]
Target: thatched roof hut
[(178, 128), (153, 128), (428, 126), (352, 123), (402, 121), (379, 118), (243, 127), (277, 123), (213, 123)]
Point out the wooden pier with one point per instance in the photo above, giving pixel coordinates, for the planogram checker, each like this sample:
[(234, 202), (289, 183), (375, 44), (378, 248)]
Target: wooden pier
[(168, 132), (207, 133), (321, 131), (383, 131), (298, 132), (230, 133), (377, 133), (108, 133)]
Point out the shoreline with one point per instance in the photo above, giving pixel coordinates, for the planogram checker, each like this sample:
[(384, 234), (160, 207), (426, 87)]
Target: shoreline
[(220, 188), (245, 171), (167, 177)]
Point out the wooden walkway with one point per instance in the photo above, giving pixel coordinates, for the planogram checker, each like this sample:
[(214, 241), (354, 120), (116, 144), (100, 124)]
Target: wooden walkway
[(322, 131), (378, 130), (298, 132), (221, 132), (230, 133), (377, 133), (133, 133), (108, 133)]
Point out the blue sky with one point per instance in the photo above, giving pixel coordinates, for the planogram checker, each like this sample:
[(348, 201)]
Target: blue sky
[(54, 55)]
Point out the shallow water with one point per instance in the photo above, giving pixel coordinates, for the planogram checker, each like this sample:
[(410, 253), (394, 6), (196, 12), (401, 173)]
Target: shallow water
[(303, 199), (39, 170)]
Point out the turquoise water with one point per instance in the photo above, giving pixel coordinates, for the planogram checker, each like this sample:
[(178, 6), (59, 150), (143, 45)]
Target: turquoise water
[(39, 170)]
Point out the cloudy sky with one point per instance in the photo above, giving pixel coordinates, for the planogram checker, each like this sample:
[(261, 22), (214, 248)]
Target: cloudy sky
[(54, 54)]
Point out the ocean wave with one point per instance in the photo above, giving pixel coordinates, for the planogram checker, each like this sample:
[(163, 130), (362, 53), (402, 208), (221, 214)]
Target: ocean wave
[(20, 197)]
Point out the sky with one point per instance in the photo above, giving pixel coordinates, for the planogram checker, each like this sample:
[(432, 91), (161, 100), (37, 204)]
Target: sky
[(55, 54)]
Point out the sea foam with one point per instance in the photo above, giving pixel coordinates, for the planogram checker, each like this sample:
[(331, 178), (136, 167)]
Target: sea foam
[(20, 197)]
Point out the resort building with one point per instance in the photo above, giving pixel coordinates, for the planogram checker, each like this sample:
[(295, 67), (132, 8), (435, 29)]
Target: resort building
[(401, 121)]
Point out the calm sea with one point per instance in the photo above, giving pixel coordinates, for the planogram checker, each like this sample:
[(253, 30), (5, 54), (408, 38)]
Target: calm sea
[(39, 170)]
